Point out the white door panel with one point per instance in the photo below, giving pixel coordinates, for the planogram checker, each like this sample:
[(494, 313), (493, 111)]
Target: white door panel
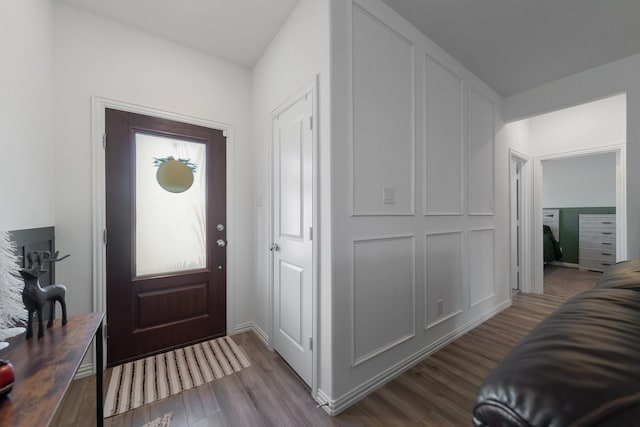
[(290, 298), (292, 219)]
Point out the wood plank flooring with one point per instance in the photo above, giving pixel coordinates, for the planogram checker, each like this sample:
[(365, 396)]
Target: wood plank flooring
[(438, 392)]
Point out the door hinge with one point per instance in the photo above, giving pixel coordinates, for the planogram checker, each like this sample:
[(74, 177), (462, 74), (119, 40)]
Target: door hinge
[(104, 236), (311, 122), (104, 331), (104, 141), (310, 343), (224, 133), (310, 233)]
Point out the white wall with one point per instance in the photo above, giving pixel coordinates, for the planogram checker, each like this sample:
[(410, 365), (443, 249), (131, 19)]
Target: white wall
[(596, 124), (518, 136), (585, 181), (95, 56), (297, 54), (596, 83), (410, 275), (26, 114)]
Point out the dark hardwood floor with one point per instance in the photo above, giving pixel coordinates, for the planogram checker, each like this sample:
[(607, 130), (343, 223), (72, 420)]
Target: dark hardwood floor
[(568, 281), (439, 391)]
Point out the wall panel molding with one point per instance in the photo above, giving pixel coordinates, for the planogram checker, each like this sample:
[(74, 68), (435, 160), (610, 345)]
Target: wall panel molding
[(443, 139), (382, 135), (481, 265), (383, 279), (480, 153), (443, 277)]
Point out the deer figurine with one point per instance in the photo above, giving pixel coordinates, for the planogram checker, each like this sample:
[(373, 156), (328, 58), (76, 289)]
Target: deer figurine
[(35, 297)]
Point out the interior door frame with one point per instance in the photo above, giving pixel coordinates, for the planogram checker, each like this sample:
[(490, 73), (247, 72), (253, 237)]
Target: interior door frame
[(98, 202), (525, 221), (312, 88), (621, 205)]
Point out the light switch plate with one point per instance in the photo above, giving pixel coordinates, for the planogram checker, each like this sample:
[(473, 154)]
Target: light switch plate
[(388, 195)]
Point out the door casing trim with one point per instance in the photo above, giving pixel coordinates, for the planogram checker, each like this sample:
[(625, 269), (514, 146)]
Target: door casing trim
[(98, 196), (620, 151), (525, 221), (311, 87)]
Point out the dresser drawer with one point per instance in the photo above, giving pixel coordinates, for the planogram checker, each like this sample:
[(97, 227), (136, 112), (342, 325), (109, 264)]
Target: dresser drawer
[(598, 220), (595, 264), (597, 243), (598, 232), (603, 254)]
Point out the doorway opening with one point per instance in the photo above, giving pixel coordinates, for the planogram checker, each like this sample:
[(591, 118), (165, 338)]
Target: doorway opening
[(596, 128), (580, 192)]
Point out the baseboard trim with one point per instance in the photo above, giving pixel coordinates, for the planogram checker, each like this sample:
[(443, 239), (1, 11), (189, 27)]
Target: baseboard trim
[(84, 371), (335, 407), (565, 264), (243, 327), (323, 401), (252, 327)]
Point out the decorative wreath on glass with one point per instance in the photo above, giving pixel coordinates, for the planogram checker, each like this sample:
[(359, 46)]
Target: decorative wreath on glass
[(175, 176)]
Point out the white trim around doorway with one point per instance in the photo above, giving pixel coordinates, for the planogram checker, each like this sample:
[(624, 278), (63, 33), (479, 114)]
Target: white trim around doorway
[(621, 205), (98, 205), (525, 219)]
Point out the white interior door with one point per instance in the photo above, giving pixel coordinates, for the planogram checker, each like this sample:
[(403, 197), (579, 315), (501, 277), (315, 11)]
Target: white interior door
[(292, 235)]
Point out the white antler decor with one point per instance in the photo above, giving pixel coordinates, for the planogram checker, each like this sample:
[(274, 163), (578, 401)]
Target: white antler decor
[(12, 310)]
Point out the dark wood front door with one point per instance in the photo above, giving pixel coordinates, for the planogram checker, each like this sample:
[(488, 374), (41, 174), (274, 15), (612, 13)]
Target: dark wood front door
[(166, 253)]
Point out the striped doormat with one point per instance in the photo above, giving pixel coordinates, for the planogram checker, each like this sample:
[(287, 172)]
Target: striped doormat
[(146, 380)]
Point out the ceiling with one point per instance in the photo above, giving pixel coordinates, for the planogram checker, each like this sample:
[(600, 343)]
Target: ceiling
[(235, 30), (512, 45)]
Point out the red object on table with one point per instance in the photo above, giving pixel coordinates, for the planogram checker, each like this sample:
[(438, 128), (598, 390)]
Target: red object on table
[(7, 377)]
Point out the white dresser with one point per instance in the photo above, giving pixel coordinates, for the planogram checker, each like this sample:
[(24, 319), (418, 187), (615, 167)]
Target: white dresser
[(597, 241)]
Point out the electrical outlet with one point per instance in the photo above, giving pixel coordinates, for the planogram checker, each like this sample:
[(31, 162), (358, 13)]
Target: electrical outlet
[(440, 307)]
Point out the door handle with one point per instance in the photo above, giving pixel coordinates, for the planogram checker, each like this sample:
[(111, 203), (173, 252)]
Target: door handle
[(274, 247), (221, 243)]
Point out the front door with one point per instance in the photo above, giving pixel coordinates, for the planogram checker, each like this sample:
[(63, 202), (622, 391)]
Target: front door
[(292, 235), (166, 238)]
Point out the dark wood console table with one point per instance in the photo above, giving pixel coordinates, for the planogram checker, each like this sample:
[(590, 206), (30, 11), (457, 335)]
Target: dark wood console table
[(45, 368)]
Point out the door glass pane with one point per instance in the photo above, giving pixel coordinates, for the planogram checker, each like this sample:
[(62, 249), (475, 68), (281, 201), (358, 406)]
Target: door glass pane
[(170, 228)]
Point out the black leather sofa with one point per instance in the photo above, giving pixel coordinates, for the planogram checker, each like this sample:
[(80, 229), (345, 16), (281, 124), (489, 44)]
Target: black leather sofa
[(579, 367)]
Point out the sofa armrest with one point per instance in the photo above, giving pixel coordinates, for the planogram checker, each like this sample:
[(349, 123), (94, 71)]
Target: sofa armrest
[(579, 365), (623, 275)]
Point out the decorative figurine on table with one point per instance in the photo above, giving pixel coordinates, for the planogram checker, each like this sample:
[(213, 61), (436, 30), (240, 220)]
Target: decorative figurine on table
[(35, 297), (7, 377)]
